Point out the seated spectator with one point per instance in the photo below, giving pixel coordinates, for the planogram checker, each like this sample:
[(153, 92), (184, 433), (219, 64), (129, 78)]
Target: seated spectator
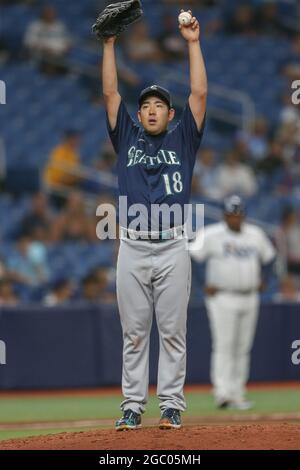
[(273, 160), (90, 289), (61, 293), (287, 240), (95, 287), (242, 21), (106, 283), (288, 134), (7, 293), (107, 158), (235, 177), (40, 215), (47, 40), (290, 113), (3, 272), (241, 149), (171, 43), (288, 290), (256, 141), (291, 65), (140, 47), (274, 169), (4, 52), (29, 264), (205, 174), (62, 168), (73, 222), (105, 162), (268, 19)]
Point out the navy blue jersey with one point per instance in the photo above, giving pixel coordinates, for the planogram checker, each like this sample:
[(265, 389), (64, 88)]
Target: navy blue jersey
[(155, 169)]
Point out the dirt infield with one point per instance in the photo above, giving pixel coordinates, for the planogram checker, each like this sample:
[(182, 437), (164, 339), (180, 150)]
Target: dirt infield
[(210, 437)]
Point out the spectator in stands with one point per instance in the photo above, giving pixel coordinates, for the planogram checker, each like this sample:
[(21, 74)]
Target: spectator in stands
[(47, 40), (241, 148), (267, 19), (140, 47), (291, 65), (290, 113), (106, 285), (256, 141), (206, 174), (3, 270), (288, 135), (61, 293), (242, 21), (288, 290), (4, 51), (29, 264), (64, 162), (105, 163), (171, 44), (95, 287), (8, 296), (274, 169), (73, 222), (40, 215), (287, 240), (107, 158), (272, 161), (90, 289), (235, 177)]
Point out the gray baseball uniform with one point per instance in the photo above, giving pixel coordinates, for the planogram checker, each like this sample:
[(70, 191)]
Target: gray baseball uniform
[(154, 276)]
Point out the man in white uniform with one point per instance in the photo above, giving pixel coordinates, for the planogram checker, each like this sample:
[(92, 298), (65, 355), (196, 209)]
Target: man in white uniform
[(236, 252)]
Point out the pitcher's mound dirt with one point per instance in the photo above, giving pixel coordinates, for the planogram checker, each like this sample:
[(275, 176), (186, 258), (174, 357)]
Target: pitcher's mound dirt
[(246, 436)]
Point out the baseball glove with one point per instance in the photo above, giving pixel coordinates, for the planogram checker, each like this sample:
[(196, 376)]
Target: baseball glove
[(116, 17)]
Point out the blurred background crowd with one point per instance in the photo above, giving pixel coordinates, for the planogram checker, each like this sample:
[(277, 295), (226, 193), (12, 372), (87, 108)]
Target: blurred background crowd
[(57, 164)]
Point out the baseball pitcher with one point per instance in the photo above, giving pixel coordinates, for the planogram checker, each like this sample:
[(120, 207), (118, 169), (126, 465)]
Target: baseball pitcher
[(155, 166), (235, 251)]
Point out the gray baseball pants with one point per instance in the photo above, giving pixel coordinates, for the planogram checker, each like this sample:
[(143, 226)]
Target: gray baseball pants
[(153, 277)]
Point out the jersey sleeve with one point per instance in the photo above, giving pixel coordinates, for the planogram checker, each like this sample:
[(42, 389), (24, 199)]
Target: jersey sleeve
[(191, 135), (199, 248), (267, 251), (124, 127)]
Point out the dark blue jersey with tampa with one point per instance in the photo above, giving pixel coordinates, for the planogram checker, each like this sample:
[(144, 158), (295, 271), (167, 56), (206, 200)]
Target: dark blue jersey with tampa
[(155, 169)]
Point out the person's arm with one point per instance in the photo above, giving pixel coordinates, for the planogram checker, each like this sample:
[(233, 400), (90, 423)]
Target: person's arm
[(267, 259), (32, 38), (111, 95), (198, 78)]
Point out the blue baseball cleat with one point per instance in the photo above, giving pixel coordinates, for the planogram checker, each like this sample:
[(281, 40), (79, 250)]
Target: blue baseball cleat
[(170, 419), (129, 420)]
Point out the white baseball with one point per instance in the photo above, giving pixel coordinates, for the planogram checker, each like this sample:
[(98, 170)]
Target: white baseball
[(185, 18)]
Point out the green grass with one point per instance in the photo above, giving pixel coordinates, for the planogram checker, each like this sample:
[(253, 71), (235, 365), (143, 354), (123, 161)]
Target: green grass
[(14, 410)]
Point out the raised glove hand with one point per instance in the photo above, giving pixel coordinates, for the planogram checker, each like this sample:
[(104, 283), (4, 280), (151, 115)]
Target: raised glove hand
[(116, 17)]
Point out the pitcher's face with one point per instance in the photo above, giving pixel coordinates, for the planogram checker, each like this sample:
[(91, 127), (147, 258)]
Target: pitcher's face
[(155, 115)]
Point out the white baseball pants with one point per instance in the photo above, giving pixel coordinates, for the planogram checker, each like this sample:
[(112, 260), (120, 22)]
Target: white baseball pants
[(233, 319)]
